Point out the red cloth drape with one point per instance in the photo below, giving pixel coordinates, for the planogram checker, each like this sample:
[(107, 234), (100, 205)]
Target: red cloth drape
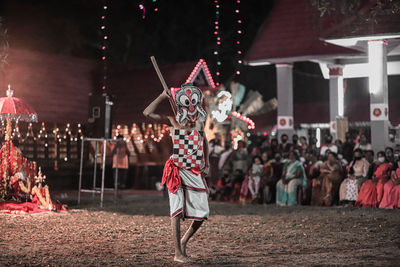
[(171, 176)]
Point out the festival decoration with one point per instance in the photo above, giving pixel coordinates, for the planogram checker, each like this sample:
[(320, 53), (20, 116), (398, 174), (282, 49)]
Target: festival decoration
[(250, 123), (224, 105), (239, 32), (218, 41), (104, 46), (201, 65)]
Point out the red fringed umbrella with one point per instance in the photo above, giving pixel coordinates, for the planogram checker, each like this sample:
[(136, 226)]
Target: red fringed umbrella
[(16, 109)]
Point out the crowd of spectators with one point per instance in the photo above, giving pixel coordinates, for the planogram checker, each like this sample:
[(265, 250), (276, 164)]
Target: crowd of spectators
[(298, 171)]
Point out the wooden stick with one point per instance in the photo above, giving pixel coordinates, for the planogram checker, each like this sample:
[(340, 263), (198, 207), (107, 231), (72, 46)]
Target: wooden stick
[(164, 84)]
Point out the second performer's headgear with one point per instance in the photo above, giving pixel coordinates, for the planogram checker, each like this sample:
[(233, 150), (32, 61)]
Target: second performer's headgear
[(188, 100)]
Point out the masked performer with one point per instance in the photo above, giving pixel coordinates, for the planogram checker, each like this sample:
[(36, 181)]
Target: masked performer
[(183, 172)]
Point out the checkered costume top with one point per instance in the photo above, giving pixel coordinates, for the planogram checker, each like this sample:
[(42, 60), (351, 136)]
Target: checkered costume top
[(188, 148)]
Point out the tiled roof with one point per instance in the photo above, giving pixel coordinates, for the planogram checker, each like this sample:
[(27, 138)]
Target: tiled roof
[(292, 30)]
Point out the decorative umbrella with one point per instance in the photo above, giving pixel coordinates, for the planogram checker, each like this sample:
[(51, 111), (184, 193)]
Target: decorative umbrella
[(15, 109)]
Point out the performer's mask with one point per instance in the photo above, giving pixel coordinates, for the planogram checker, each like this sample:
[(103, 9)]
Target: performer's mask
[(188, 100)]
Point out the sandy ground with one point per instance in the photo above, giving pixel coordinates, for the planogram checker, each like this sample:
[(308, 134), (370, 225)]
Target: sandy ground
[(136, 232)]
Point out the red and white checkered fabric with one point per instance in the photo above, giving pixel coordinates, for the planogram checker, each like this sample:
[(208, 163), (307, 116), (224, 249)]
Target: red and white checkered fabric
[(188, 148)]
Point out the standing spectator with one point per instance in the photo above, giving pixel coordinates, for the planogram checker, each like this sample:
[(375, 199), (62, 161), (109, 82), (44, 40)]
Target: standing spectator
[(223, 160), (357, 174), (123, 161), (284, 146), (389, 155), (293, 176), (328, 145), (239, 157), (255, 173), (295, 142), (214, 154), (303, 145), (348, 148), (274, 147), (363, 143)]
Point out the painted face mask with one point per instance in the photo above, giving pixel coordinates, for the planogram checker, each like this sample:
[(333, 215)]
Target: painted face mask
[(188, 100)]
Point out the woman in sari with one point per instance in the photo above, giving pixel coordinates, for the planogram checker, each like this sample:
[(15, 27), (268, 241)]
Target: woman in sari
[(391, 190), (293, 176), (329, 181), (357, 174), (371, 192)]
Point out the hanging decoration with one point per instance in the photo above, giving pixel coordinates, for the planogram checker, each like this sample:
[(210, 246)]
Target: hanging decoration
[(104, 46), (239, 33), (143, 9), (218, 41)]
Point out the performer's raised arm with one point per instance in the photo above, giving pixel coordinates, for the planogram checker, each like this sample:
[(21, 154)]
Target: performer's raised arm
[(149, 111)]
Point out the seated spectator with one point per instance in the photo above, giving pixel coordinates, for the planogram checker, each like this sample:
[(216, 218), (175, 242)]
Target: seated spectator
[(272, 173), (328, 145), (371, 192), (255, 173), (224, 187), (363, 143), (313, 172), (391, 190), (357, 172), (326, 186), (369, 156), (293, 176)]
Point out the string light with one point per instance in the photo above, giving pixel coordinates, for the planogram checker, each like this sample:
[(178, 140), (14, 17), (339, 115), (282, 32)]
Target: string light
[(104, 46), (217, 31), (201, 65), (143, 9), (250, 123), (239, 33)]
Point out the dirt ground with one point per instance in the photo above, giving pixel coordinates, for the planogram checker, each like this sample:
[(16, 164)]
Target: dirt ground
[(136, 232)]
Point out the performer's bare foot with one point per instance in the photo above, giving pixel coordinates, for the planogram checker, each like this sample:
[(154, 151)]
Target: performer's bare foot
[(183, 247), (181, 258)]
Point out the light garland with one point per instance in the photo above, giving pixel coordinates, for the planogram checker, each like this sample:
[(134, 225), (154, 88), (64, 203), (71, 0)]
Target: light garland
[(152, 132), (104, 46), (250, 123), (217, 40), (201, 65), (239, 33)]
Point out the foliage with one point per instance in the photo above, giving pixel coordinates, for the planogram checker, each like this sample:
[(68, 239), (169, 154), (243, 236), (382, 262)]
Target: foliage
[(364, 10), (3, 45)]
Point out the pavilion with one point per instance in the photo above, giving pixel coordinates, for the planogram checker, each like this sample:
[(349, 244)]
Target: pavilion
[(295, 32)]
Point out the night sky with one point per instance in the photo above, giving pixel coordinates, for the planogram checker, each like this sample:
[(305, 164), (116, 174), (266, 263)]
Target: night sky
[(179, 31)]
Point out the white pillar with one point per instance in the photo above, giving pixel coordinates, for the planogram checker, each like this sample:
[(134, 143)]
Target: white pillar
[(284, 79), (378, 88), (336, 97)]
